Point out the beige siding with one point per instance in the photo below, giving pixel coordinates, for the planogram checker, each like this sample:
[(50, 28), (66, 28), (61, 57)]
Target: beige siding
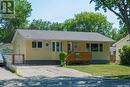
[(80, 46), (120, 44), (64, 46), (37, 53), (19, 45), (105, 55), (44, 53), (22, 46)]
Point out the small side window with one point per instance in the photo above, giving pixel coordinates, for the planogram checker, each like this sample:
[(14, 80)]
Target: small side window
[(34, 44)]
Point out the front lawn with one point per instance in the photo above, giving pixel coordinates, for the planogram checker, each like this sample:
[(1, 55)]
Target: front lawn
[(104, 70)]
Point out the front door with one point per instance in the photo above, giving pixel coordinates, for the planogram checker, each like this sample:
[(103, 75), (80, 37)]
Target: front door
[(70, 47)]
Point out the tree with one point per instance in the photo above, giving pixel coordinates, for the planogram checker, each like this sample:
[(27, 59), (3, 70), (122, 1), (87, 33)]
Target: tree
[(56, 26), (121, 33), (121, 8), (114, 34), (22, 12), (40, 24), (125, 55), (45, 25), (89, 22)]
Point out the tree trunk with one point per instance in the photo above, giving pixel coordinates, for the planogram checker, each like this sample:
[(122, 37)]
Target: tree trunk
[(129, 31)]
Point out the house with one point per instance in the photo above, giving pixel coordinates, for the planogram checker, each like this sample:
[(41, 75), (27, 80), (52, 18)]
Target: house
[(41, 46), (120, 44)]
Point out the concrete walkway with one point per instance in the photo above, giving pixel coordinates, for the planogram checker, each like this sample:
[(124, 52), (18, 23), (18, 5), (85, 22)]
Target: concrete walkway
[(48, 71), (7, 75)]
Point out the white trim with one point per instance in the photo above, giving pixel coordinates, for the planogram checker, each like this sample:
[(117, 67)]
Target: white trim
[(37, 44), (90, 49), (56, 46), (98, 47), (14, 36)]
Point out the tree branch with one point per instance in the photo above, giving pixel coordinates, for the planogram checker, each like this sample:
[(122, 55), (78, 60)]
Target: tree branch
[(111, 9)]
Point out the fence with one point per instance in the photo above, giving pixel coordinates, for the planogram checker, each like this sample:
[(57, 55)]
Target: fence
[(113, 58), (14, 58)]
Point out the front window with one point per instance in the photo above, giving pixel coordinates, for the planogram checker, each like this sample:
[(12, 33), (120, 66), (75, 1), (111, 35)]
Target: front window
[(94, 47), (88, 47), (56, 46), (39, 44), (101, 47), (36, 44), (53, 46)]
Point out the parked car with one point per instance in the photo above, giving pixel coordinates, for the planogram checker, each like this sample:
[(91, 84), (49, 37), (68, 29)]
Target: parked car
[(1, 60)]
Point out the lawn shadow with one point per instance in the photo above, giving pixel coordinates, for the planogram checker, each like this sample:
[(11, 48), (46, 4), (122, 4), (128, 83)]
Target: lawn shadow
[(122, 76)]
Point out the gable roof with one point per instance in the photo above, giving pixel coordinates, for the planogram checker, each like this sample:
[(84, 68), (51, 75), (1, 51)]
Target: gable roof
[(127, 38), (62, 35)]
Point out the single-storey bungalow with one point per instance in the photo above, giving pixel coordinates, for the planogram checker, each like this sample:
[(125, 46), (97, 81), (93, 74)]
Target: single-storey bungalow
[(42, 46), (120, 44)]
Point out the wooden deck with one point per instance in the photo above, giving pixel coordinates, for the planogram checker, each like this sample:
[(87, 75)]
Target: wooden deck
[(79, 57)]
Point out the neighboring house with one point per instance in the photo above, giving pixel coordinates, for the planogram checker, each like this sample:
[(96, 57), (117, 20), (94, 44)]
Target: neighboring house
[(120, 44), (41, 46)]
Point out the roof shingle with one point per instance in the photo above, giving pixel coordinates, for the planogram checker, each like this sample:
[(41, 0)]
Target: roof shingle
[(62, 35)]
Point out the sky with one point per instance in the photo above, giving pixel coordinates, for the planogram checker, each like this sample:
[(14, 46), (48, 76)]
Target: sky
[(60, 10)]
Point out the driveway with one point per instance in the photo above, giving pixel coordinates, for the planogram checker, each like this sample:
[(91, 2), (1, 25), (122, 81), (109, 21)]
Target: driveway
[(7, 75), (54, 76), (48, 71)]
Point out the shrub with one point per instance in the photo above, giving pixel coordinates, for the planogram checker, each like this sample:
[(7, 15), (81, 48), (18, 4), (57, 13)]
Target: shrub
[(63, 56), (125, 55)]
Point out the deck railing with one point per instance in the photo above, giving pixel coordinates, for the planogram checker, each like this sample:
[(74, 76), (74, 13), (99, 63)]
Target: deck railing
[(78, 57)]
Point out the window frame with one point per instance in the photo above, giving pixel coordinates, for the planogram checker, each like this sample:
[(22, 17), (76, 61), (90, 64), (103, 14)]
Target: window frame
[(55, 45), (90, 48), (37, 44), (93, 49), (100, 45)]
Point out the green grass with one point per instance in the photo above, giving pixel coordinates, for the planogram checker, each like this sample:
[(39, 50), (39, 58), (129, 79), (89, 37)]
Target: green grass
[(110, 70)]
